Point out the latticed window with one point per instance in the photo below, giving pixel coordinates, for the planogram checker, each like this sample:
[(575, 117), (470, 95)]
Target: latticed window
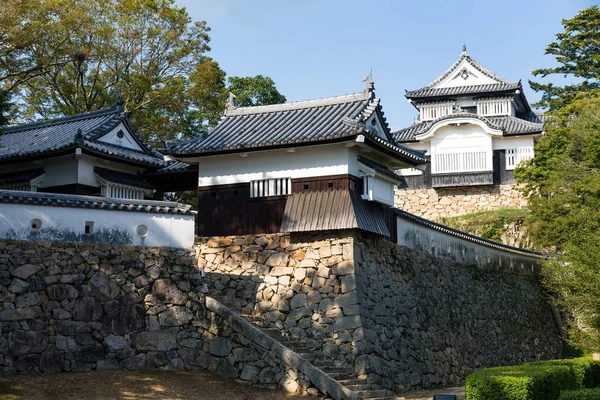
[(122, 192), (516, 155), (271, 187)]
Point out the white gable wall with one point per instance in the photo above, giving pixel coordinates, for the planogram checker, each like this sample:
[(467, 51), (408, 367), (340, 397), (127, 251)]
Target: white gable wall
[(455, 79), (126, 141)]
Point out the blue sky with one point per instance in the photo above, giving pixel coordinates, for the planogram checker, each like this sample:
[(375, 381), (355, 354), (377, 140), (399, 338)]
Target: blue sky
[(322, 48)]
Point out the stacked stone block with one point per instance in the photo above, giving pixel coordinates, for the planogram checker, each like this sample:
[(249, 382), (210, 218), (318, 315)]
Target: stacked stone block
[(434, 204)]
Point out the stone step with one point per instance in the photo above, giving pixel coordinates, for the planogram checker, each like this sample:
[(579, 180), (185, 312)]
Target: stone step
[(363, 387), (325, 363), (300, 347), (373, 394), (336, 369), (338, 376), (357, 381)]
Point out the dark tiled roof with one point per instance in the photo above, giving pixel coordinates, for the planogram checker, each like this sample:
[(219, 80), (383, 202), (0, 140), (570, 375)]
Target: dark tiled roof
[(428, 92), (287, 125), (52, 136), (103, 203), (332, 210), (508, 124), (515, 126), (379, 168), (124, 153), (466, 236), (20, 177), (176, 166), (123, 178)]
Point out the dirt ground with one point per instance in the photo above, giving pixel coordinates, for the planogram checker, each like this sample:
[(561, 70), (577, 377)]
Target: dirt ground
[(133, 385), (151, 385)]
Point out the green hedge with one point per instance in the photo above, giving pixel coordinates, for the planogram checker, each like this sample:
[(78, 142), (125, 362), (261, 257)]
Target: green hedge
[(542, 380), (580, 394)]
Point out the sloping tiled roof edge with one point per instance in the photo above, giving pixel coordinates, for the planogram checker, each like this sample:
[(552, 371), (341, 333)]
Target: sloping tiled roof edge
[(92, 202), (466, 236)]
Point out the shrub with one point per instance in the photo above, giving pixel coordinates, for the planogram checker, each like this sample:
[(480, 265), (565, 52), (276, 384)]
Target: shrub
[(580, 394), (542, 380)]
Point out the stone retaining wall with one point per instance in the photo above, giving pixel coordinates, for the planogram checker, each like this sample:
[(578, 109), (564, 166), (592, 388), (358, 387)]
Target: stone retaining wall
[(302, 284), (79, 307), (428, 321), (448, 202), (405, 318)]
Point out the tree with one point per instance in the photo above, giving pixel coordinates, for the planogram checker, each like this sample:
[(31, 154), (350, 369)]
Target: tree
[(254, 91), (563, 183), (5, 108), (577, 52), (149, 50), (35, 36)]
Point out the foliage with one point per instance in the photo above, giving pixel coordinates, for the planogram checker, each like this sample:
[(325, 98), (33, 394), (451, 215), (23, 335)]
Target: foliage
[(491, 225), (5, 108), (580, 394), (254, 91), (577, 51), (149, 50), (532, 381), (563, 182)]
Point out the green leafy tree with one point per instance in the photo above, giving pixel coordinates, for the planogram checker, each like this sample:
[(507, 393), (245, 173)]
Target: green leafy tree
[(35, 36), (254, 91), (577, 52), (563, 183), (5, 108), (149, 50)]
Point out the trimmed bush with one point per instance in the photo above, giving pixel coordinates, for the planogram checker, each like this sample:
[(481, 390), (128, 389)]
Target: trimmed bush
[(580, 394), (543, 380)]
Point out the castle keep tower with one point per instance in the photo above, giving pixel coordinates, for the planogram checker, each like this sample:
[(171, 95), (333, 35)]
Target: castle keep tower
[(476, 128)]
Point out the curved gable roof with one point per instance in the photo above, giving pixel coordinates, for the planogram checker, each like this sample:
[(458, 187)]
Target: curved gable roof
[(82, 130), (293, 124)]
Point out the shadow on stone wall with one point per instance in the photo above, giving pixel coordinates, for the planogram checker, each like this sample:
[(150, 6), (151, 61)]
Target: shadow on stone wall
[(82, 307)]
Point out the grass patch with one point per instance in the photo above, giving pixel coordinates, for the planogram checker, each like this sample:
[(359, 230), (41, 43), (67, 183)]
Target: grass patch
[(489, 225)]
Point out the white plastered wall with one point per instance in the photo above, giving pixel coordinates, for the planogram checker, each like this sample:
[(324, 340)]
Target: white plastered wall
[(303, 162), (164, 230), (126, 141)]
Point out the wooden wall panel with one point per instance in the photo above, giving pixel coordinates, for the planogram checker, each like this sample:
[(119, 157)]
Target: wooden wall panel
[(229, 209)]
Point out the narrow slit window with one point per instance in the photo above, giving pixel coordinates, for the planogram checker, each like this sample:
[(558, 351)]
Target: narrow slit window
[(271, 187), (89, 227)]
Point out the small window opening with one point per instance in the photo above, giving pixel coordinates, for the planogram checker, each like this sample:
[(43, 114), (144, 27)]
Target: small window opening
[(142, 230), (306, 186), (330, 185), (235, 192), (120, 134), (36, 224), (89, 227)]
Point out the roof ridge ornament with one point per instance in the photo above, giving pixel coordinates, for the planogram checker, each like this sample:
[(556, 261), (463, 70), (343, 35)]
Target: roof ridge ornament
[(79, 136), (230, 101), (370, 85), (119, 102), (464, 53)]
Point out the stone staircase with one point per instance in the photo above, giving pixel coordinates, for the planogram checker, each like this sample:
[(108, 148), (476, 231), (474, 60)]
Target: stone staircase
[(344, 375)]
